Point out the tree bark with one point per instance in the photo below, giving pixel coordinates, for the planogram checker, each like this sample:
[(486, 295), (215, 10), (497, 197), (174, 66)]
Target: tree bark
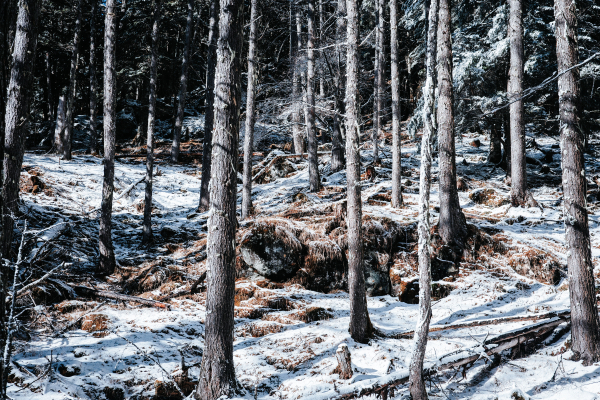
[(250, 115), (337, 137), (59, 126), (94, 145), (313, 160), (217, 373), (211, 63), (585, 331), (417, 383), (518, 174), (379, 66), (107, 255), (396, 139), (147, 226), (296, 88), (18, 101), (183, 83), (68, 133), (50, 116), (452, 225), (495, 153), (360, 324), (321, 43)]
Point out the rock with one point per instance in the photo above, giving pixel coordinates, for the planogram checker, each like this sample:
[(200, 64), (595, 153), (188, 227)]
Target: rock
[(476, 143), (377, 273), (410, 291), (113, 393), (538, 265), (461, 185), (167, 233), (316, 314), (324, 268), (68, 371), (545, 169), (488, 197), (272, 251)]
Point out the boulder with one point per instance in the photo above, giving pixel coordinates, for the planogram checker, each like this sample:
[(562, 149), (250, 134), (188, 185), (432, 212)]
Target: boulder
[(488, 197), (272, 251)]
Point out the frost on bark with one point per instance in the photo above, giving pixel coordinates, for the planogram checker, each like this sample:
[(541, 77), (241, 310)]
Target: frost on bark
[(107, 255), (59, 127), (416, 381), (183, 83), (217, 373), (313, 161), (585, 327), (337, 137), (213, 26), (72, 91), (452, 225), (360, 324), (396, 139), (93, 80), (250, 115), (519, 193), (147, 226), (296, 88)]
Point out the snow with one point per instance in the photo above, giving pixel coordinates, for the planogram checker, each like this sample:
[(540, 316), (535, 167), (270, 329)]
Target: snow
[(297, 361)]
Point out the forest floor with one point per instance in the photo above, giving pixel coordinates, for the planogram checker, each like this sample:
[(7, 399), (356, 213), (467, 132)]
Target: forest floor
[(286, 336)]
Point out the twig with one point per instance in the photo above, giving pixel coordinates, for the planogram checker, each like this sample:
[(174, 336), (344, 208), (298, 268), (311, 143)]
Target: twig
[(72, 324), (155, 361), (25, 288)]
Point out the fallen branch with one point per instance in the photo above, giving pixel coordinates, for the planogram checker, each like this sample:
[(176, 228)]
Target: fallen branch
[(266, 169), (495, 345), (86, 291), (73, 323), (191, 290), (25, 288), (123, 193), (495, 321)]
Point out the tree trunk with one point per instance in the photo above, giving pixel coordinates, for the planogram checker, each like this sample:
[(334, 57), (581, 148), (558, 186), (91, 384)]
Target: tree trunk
[(211, 63), (18, 100), (515, 90), (396, 139), (217, 373), (321, 43), (250, 115), (416, 382), (296, 88), (72, 86), (50, 116), (147, 227), (379, 67), (93, 81), (337, 138), (495, 153), (452, 225), (183, 83), (313, 160), (360, 324), (59, 126), (585, 327), (107, 254)]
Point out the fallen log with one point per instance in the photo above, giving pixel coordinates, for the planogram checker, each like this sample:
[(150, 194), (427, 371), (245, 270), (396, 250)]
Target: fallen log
[(158, 155), (86, 291), (472, 324), (509, 340), (266, 169)]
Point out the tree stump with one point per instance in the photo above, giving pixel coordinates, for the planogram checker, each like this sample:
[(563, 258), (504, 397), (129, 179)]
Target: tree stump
[(344, 367)]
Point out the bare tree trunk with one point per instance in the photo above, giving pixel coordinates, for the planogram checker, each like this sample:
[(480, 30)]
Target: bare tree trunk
[(72, 86), (18, 100), (107, 255), (211, 63), (379, 66), (250, 115), (183, 83), (321, 42), (147, 227), (396, 139), (59, 126), (495, 153), (337, 138), (296, 88), (94, 145), (360, 324), (313, 160), (51, 114), (515, 90), (217, 373), (585, 327), (452, 225), (416, 381)]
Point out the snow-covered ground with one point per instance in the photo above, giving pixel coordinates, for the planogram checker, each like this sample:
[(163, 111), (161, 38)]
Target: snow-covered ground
[(139, 345)]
